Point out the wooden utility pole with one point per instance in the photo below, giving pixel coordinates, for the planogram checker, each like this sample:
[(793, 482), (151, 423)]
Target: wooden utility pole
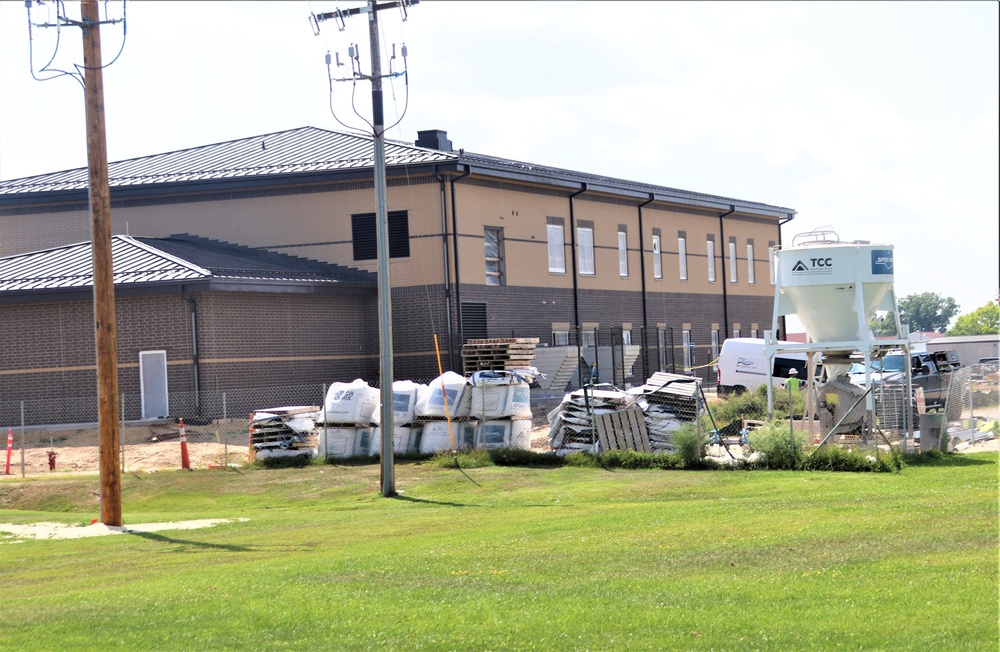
[(104, 286)]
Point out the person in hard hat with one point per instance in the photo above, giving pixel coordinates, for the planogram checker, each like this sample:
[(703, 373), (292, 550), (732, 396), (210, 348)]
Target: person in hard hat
[(793, 383)]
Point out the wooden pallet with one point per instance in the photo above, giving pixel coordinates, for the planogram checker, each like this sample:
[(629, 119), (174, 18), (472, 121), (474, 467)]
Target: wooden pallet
[(498, 354), (623, 430)]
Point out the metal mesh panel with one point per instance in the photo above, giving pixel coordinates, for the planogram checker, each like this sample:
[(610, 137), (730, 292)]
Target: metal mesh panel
[(974, 392)]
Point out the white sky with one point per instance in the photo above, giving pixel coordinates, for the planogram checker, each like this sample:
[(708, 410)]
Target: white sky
[(879, 119)]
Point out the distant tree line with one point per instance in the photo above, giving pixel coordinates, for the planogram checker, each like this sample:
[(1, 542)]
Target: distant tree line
[(930, 312)]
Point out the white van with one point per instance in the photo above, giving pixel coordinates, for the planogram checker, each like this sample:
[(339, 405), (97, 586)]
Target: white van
[(743, 366)]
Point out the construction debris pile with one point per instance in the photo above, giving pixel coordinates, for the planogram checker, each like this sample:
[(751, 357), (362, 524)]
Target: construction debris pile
[(489, 409), (641, 419)]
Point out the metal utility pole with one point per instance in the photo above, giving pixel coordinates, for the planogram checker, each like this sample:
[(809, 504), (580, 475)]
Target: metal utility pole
[(387, 470), (104, 286)]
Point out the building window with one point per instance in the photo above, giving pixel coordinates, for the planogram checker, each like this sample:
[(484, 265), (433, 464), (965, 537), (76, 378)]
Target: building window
[(494, 255), (557, 248), (733, 272), (688, 351), (736, 332), (715, 349), (588, 337), (751, 276), (682, 256), (770, 260), (661, 344), (626, 337), (711, 261), (657, 262), (585, 243), (753, 333), (560, 338), (365, 240), (622, 254)]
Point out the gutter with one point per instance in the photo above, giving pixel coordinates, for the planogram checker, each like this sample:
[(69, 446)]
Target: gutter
[(645, 302), (576, 284), (725, 294), (458, 277), (447, 266), (194, 349)]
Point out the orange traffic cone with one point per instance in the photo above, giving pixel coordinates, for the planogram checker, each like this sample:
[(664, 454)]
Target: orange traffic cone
[(185, 460)]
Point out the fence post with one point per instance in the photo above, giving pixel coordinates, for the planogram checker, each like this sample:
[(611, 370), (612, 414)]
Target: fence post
[(22, 439), (225, 445)]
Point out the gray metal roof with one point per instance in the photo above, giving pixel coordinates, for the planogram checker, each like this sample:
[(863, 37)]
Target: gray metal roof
[(177, 259), (309, 150), (306, 149)]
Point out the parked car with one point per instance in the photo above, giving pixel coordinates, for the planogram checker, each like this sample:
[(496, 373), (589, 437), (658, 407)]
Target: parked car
[(930, 371)]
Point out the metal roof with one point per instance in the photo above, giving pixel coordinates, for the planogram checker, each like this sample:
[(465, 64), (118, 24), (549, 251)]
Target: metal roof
[(306, 149), (177, 259), (310, 150)]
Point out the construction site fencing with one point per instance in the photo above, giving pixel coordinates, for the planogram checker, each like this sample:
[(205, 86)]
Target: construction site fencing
[(973, 394)]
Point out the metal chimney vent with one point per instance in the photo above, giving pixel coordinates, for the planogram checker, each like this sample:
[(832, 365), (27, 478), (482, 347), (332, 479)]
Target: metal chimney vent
[(434, 139)]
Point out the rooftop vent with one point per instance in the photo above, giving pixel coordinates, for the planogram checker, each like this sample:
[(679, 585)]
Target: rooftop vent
[(434, 139)]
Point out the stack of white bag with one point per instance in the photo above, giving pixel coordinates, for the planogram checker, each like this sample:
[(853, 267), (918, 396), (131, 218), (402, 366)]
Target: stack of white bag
[(405, 429), (445, 398), (492, 409), (347, 416)]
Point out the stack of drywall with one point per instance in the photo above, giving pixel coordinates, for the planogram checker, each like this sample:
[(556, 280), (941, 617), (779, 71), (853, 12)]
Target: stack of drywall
[(284, 431), (571, 426)]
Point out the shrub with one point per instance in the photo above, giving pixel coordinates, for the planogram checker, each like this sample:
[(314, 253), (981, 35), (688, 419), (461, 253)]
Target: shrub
[(773, 440), (522, 457), (689, 444)]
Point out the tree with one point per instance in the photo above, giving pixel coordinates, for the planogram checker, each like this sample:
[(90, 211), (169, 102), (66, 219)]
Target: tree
[(927, 311), (981, 321)]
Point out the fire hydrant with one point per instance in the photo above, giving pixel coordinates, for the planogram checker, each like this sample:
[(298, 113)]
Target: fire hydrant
[(52, 460)]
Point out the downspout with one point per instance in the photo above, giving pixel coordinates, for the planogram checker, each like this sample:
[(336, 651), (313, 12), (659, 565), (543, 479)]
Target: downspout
[(576, 285), (193, 309), (725, 279), (447, 270), (784, 330), (458, 277), (645, 303)]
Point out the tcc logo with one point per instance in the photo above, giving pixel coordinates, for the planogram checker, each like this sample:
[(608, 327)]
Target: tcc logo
[(815, 265)]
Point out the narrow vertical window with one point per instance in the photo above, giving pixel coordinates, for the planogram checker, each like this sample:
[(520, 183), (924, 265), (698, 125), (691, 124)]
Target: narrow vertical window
[(494, 255), (736, 332), (711, 261), (657, 262), (622, 254), (770, 260), (585, 243), (557, 248), (751, 275), (682, 257), (715, 348), (733, 272), (688, 351)]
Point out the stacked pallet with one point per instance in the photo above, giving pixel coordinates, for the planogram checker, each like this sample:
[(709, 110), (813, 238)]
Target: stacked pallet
[(498, 354), (572, 425), (671, 401)]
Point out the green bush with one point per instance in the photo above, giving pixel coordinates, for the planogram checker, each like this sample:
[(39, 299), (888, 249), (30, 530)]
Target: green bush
[(773, 440), (834, 458), (689, 444), (522, 457)]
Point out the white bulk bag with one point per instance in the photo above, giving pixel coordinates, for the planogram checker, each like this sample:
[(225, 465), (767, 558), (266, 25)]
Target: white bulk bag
[(436, 437), (431, 400), (405, 439), (355, 402), (344, 442), (504, 433), (405, 394), (500, 401)]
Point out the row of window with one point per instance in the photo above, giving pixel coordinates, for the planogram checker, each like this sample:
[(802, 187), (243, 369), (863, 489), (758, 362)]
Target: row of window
[(585, 249), (364, 241)]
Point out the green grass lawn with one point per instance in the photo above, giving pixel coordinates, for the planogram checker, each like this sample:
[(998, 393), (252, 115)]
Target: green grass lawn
[(509, 558)]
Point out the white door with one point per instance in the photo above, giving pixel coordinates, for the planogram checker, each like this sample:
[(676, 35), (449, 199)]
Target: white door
[(153, 384)]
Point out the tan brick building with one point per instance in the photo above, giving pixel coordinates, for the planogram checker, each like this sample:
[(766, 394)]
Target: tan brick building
[(480, 247)]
